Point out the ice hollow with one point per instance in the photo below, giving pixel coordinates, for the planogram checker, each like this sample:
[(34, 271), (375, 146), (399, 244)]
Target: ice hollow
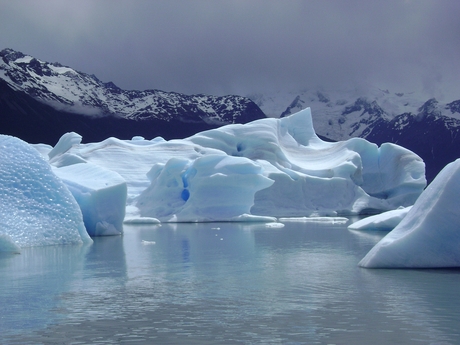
[(36, 208)]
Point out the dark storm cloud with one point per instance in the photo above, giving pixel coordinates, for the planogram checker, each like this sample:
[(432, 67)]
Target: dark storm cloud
[(244, 46)]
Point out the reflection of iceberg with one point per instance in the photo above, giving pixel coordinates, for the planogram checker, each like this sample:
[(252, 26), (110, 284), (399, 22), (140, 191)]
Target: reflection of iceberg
[(368, 236), (429, 235), (35, 206), (31, 284)]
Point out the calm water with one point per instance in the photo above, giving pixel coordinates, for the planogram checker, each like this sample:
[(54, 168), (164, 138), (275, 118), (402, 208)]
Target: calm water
[(223, 284)]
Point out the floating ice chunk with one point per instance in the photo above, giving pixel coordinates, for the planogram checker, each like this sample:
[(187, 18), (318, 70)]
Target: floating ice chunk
[(144, 242), (141, 220), (322, 220), (210, 188), (429, 235), (274, 225), (248, 218), (36, 208), (385, 221), (101, 194)]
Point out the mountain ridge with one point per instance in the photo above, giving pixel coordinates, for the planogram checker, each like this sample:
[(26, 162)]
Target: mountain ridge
[(71, 92), (40, 101)]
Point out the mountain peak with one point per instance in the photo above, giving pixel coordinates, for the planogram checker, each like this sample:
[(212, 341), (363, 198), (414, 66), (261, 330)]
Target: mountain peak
[(429, 108), (9, 54), (29, 80)]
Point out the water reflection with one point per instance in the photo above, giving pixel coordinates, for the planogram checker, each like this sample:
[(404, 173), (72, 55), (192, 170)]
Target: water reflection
[(229, 284), (30, 282)]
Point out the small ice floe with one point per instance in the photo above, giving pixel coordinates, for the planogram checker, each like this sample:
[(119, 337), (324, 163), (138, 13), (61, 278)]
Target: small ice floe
[(144, 242), (322, 220), (141, 220), (274, 225), (385, 221)]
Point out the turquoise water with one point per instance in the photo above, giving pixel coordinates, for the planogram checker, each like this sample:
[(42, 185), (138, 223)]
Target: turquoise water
[(223, 283)]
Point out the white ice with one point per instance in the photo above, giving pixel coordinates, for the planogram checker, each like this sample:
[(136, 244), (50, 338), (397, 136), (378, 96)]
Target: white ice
[(210, 188), (429, 235), (316, 178), (317, 220), (36, 208), (267, 168), (254, 172), (101, 195), (64, 144), (385, 221)]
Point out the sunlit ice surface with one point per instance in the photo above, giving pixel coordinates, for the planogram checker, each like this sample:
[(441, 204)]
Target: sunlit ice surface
[(223, 283)]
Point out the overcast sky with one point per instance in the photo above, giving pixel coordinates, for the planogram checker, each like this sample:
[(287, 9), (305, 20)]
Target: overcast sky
[(242, 46)]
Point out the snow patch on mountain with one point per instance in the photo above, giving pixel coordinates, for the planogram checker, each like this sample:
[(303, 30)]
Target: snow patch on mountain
[(345, 113), (66, 89)]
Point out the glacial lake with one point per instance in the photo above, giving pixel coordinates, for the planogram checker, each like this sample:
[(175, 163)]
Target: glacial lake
[(223, 283)]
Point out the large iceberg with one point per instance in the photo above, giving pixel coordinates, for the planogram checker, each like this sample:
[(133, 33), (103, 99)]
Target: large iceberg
[(269, 167), (429, 235), (36, 208), (313, 177), (254, 172)]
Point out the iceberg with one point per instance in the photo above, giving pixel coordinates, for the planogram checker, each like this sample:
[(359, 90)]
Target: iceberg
[(253, 172), (131, 159), (240, 173), (385, 221), (36, 208), (428, 236), (101, 195), (317, 178)]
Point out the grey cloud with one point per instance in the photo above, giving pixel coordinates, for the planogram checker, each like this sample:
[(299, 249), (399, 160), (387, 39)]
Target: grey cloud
[(236, 46)]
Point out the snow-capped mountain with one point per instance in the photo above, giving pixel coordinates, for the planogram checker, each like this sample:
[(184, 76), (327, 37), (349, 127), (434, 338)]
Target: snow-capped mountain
[(427, 127), (65, 90)]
